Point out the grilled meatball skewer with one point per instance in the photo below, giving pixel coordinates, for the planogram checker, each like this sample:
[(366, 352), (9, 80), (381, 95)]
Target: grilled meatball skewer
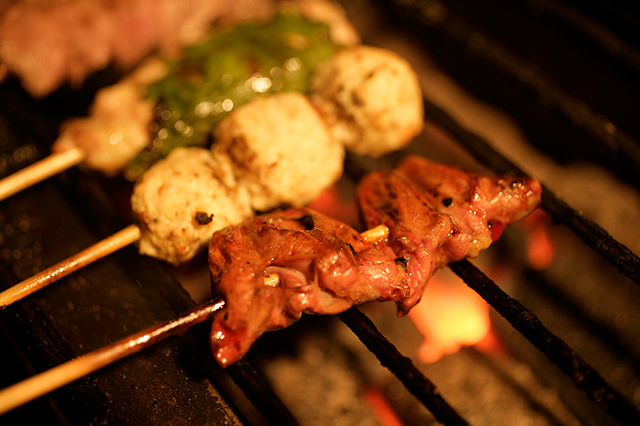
[(264, 163), (183, 199), (369, 97), (226, 70)]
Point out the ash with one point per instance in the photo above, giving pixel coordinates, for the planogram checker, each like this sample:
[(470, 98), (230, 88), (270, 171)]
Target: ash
[(325, 376)]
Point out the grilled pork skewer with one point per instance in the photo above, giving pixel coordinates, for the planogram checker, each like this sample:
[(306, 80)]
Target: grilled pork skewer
[(325, 266), (272, 268)]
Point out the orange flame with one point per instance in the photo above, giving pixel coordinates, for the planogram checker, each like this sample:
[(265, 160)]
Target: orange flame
[(450, 316), (540, 246), (381, 407), (337, 203)]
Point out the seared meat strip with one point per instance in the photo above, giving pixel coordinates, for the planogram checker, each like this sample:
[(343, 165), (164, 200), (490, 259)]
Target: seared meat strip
[(496, 200), (438, 214), (325, 267)]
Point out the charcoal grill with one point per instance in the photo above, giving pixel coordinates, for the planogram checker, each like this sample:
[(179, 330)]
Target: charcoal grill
[(510, 54)]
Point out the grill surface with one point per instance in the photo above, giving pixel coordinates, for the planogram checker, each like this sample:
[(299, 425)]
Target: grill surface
[(551, 66)]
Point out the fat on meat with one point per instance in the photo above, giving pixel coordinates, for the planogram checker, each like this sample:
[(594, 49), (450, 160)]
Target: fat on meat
[(325, 266)]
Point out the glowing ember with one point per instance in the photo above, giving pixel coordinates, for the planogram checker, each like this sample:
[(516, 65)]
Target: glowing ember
[(540, 246), (338, 203), (450, 316), (380, 406)]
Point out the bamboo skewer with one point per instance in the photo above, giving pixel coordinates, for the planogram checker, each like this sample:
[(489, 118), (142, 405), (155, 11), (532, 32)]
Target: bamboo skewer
[(37, 172), (120, 239), (50, 380)]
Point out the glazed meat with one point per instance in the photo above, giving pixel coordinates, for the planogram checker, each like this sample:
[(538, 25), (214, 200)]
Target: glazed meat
[(438, 214), (325, 267), (495, 200)]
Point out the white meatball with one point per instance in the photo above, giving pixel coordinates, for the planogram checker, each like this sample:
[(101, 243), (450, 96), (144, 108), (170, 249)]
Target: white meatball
[(182, 200), (118, 126), (281, 148), (371, 99)]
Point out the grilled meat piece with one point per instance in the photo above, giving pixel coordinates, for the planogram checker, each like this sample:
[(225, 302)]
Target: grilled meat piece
[(47, 42), (438, 214), (325, 267), (496, 200)]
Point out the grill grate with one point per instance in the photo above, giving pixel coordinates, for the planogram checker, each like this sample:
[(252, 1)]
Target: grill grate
[(558, 352), (584, 376), (401, 366), (597, 238)]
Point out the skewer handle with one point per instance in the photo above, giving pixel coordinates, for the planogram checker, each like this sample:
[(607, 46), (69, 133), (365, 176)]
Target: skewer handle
[(103, 248), (37, 172), (50, 380)]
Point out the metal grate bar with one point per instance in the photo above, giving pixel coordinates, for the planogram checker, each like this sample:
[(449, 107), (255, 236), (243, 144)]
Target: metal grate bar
[(609, 41), (592, 234), (456, 30), (260, 394), (421, 387), (558, 352)]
